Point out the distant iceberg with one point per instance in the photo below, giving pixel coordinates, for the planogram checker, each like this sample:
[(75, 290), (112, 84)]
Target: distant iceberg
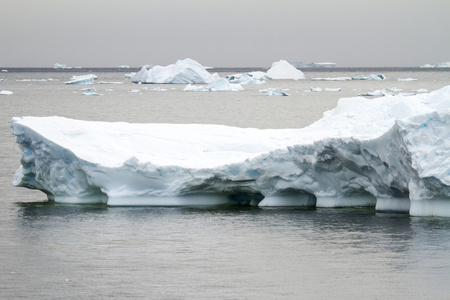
[(182, 72), (438, 65), (284, 70), (301, 65), (82, 79), (274, 92), (60, 66), (391, 153), (5, 92)]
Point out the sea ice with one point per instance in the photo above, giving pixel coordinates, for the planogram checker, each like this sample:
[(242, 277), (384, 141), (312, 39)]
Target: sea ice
[(247, 78), (284, 70), (182, 72), (443, 65), (391, 153), (331, 79), (5, 92)]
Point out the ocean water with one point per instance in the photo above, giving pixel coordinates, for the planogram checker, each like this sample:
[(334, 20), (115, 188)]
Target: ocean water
[(51, 251)]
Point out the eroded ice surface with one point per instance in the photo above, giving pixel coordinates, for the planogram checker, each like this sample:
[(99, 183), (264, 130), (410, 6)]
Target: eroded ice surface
[(391, 152)]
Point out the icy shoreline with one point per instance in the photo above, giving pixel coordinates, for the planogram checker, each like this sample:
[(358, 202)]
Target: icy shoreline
[(391, 153)]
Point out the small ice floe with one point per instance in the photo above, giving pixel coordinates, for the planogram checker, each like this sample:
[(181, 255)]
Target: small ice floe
[(130, 75), (4, 92), (111, 82), (331, 79), (377, 93), (124, 67), (315, 89), (219, 85), (135, 91), (88, 90), (158, 89), (82, 79), (332, 89), (370, 77), (420, 91), (4, 70), (394, 90), (92, 94), (406, 79), (248, 78), (274, 92)]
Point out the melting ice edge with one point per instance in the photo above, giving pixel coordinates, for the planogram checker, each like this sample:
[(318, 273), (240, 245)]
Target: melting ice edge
[(390, 152)]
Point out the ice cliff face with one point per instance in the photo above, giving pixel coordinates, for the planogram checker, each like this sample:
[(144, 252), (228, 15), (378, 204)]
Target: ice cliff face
[(391, 153)]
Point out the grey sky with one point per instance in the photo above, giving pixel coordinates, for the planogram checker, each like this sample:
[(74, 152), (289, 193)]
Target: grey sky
[(243, 33)]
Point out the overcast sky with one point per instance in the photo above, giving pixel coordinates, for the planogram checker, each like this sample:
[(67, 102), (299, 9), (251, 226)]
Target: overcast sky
[(231, 33)]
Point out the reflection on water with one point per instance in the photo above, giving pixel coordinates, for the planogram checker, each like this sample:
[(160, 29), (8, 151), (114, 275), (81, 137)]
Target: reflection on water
[(225, 252)]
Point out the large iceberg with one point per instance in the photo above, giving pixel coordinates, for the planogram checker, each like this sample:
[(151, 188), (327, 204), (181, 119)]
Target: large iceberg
[(392, 153), (284, 70), (182, 72)]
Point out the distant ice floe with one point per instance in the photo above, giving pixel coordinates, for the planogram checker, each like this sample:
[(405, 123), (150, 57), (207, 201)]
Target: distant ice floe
[(345, 78), (300, 64), (274, 92), (319, 89), (110, 82), (248, 78), (4, 92), (284, 70), (391, 154), (219, 85), (406, 79), (60, 66), (82, 79), (123, 67), (4, 71), (186, 71)]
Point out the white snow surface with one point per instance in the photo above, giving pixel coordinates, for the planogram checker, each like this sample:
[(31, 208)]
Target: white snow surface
[(391, 152), (284, 70), (182, 72)]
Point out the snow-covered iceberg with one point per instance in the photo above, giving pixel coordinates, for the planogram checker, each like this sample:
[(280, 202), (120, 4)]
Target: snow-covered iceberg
[(182, 72), (392, 153), (284, 70), (257, 77)]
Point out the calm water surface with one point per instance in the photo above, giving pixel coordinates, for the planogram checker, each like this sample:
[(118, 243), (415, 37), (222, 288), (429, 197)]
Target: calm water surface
[(51, 251)]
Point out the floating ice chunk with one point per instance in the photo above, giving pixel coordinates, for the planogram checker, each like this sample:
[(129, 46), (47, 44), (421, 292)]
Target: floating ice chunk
[(370, 77), (300, 65), (89, 89), (427, 66), (315, 89), (274, 92), (420, 91), (110, 82), (4, 70), (182, 72), (247, 78), (4, 92), (82, 79), (92, 94), (284, 70), (123, 67), (377, 93), (135, 91), (406, 79), (331, 79), (443, 65), (221, 85), (60, 66), (332, 89), (394, 90)]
